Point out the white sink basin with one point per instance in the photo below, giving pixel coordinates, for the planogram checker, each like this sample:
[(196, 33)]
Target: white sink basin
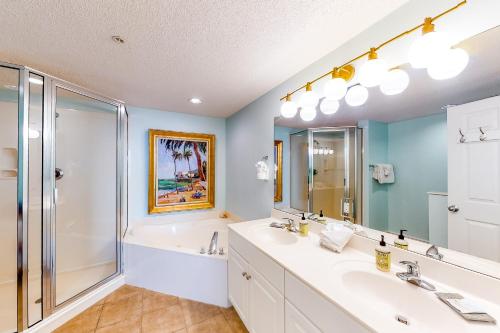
[(389, 296), (274, 235)]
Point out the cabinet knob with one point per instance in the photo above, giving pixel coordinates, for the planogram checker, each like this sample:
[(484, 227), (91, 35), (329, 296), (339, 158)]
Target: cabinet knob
[(248, 276), (453, 208), (244, 274)]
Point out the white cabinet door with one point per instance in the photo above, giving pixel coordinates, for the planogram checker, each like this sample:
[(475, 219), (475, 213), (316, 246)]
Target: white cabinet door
[(238, 285), (266, 306), (474, 178), (296, 322)]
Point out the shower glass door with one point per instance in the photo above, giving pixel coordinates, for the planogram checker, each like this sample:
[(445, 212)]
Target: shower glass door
[(86, 194), (9, 106)]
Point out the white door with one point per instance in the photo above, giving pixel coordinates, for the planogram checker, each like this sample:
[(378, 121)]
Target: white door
[(296, 322), (238, 285), (266, 306), (474, 178)]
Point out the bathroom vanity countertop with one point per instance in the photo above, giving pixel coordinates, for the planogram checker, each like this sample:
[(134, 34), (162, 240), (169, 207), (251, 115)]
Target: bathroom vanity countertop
[(345, 278)]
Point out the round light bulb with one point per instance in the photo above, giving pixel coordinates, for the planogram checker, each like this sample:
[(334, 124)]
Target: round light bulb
[(335, 88), (329, 106), (331, 151), (288, 109), (307, 113), (309, 99), (356, 95), (427, 48), (372, 72), (449, 65), (394, 82), (315, 151)]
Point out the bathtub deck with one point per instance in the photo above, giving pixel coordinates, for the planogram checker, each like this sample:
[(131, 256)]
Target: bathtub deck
[(131, 309)]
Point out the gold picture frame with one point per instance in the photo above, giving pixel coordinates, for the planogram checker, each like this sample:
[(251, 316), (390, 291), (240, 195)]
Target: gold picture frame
[(181, 171), (278, 179)]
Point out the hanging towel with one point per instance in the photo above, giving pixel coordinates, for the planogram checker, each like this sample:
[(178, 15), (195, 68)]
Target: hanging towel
[(383, 173)]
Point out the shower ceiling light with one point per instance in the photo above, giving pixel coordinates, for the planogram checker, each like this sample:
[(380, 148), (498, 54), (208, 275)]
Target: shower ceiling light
[(372, 71), (308, 113), (449, 65), (394, 82), (35, 80), (309, 98), (195, 100), (356, 95), (289, 108)]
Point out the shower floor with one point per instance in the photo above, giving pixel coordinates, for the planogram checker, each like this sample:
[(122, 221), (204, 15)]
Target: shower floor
[(69, 283)]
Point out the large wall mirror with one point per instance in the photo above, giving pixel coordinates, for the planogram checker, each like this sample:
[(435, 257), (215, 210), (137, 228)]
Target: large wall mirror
[(426, 161)]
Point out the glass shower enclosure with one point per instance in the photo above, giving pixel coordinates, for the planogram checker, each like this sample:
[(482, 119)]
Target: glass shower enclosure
[(63, 193), (325, 172)]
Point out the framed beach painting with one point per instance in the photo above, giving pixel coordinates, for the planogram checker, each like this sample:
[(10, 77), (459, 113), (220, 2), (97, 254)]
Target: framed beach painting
[(181, 171)]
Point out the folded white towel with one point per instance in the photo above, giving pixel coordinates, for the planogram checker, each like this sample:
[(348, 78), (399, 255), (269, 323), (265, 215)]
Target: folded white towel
[(383, 173), (335, 236)]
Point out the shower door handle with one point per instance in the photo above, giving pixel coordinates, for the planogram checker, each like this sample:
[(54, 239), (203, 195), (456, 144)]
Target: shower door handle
[(59, 173)]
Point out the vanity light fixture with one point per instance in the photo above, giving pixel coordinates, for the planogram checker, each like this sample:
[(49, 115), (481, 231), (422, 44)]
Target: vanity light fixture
[(289, 108), (309, 98), (428, 47), (394, 82), (432, 50), (308, 113), (195, 100), (336, 88), (372, 72), (35, 80), (356, 95), (449, 65), (329, 105)]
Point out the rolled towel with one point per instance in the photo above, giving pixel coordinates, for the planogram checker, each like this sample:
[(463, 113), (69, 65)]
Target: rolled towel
[(335, 236)]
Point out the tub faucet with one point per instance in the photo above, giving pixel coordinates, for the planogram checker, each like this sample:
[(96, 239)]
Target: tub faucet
[(212, 249)]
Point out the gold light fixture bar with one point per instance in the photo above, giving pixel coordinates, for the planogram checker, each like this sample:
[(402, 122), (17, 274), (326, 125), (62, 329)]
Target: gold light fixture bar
[(428, 21)]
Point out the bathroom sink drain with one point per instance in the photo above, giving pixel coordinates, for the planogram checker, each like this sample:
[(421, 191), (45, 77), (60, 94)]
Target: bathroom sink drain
[(402, 319)]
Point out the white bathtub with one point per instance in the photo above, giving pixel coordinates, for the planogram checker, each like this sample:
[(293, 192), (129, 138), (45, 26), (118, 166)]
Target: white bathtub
[(163, 254)]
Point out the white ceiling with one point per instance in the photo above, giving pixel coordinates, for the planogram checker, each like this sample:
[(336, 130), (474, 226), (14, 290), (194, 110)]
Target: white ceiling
[(424, 96), (226, 52)]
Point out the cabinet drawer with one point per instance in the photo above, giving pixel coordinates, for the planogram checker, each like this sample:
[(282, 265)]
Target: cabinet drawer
[(296, 322), (327, 316), (266, 266)]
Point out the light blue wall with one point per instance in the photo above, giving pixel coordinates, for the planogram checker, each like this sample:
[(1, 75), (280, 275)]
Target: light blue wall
[(375, 197), (418, 150), (283, 134), (140, 121)]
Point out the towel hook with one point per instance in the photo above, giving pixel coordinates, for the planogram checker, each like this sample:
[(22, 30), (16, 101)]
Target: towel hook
[(462, 136), (482, 137)]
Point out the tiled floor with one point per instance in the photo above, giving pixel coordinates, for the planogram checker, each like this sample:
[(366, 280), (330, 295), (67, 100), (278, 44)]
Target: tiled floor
[(132, 309)]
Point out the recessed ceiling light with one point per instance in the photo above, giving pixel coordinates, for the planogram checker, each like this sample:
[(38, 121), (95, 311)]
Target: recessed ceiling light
[(195, 100), (118, 39), (35, 80)]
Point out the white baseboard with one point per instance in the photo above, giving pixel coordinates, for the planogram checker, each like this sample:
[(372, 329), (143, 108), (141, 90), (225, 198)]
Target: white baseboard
[(60, 317)]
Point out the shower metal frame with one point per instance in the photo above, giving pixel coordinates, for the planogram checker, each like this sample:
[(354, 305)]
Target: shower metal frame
[(50, 84)]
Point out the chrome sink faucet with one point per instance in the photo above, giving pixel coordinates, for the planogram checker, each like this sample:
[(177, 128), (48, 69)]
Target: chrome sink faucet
[(313, 217), (412, 275), (290, 225)]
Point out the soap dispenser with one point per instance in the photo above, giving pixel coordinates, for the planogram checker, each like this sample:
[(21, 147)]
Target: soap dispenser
[(401, 242), (383, 256), (321, 218), (303, 226)]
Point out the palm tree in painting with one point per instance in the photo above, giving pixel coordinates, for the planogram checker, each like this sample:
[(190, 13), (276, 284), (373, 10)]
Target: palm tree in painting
[(187, 154), (176, 155), (197, 146)]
